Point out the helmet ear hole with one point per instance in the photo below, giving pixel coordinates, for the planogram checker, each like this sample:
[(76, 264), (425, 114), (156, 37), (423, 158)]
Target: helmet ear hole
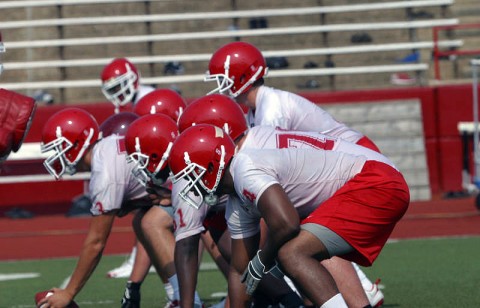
[(243, 79), (75, 145), (210, 168)]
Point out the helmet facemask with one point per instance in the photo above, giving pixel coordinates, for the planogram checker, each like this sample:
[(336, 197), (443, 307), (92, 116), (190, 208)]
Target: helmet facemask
[(194, 175), (142, 161), (225, 82), (121, 90)]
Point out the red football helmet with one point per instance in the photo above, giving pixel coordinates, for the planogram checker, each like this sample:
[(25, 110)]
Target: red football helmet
[(69, 133), (217, 109), (164, 101), (199, 156), (148, 142), (120, 80), (117, 123), (235, 67)]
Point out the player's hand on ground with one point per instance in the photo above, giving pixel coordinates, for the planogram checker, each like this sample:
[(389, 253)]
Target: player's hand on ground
[(59, 298)]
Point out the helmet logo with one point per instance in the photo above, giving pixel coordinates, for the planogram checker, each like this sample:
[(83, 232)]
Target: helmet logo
[(218, 132), (250, 196)]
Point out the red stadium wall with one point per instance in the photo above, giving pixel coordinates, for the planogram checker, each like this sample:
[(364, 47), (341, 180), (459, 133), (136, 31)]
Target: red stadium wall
[(443, 107)]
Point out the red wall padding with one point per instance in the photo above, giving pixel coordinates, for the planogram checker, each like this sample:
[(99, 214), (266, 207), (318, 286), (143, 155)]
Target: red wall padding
[(442, 107)]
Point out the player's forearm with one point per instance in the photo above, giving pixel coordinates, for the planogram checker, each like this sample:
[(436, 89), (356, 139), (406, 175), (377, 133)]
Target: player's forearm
[(186, 263), (87, 262), (236, 290), (275, 239)]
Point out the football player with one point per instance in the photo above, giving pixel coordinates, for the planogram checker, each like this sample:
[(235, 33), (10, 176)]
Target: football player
[(239, 69), (73, 136), (121, 84), (317, 199)]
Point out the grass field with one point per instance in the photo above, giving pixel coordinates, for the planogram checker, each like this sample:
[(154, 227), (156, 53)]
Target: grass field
[(415, 273)]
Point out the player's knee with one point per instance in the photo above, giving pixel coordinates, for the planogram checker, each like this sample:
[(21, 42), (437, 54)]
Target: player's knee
[(156, 218), (137, 220), (288, 257)]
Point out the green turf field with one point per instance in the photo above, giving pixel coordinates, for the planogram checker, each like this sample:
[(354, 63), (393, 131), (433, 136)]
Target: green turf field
[(415, 273)]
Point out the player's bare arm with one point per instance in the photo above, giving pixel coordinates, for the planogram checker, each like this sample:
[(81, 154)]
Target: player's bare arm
[(186, 263), (98, 233), (282, 221), (243, 250)]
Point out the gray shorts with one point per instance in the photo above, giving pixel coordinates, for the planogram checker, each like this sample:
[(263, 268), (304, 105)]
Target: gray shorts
[(336, 245), (169, 209)]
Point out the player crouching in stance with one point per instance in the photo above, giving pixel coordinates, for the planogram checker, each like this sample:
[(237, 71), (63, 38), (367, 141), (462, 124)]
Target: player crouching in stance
[(316, 203), (73, 136)]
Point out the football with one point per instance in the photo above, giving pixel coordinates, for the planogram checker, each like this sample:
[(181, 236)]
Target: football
[(41, 295)]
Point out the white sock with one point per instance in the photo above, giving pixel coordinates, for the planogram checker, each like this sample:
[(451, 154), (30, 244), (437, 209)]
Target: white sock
[(169, 290), (335, 302), (131, 258), (173, 290), (197, 301), (173, 282), (366, 283)]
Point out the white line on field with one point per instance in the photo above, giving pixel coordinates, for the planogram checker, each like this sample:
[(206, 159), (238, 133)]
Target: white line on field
[(17, 276)]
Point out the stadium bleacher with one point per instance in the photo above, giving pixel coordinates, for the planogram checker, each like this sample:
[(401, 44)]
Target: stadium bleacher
[(63, 47)]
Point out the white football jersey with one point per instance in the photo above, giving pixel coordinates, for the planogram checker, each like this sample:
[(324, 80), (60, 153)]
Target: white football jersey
[(267, 137), (290, 111), (308, 176), (189, 220), (142, 91), (111, 180), (243, 219)]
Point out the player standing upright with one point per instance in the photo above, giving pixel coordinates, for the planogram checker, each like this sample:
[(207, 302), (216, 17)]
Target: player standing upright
[(121, 84)]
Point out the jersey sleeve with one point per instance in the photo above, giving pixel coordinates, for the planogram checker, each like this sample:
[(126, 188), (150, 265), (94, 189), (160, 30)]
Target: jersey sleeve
[(106, 195), (188, 221), (242, 221), (251, 178), (108, 182)]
